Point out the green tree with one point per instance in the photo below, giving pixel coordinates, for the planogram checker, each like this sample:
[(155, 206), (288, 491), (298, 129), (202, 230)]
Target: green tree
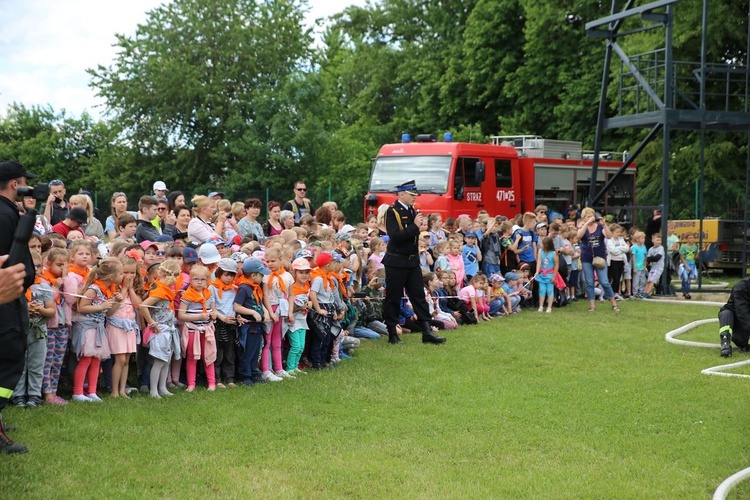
[(208, 90), (556, 88), (474, 86), (78, 151)]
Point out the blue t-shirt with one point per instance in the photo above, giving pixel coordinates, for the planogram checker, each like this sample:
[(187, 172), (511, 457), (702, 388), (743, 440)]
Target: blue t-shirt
[(639, 256), (548, 260), (527, 238), (471, 261)]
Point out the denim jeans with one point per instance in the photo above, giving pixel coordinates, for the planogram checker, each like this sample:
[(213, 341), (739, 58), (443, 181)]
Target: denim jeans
[(377, 327), (361, 332), (490, 269), (588, 274), (686, 274), (247, 367)]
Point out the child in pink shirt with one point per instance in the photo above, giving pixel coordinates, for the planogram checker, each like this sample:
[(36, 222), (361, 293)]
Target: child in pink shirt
[(456, 260)]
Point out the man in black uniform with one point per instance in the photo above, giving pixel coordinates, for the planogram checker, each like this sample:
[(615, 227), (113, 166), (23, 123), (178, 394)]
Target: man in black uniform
[(734, 319), (14, 315), (401, 261)]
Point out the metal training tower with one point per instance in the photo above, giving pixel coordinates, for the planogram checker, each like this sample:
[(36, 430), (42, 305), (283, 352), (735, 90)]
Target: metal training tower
[(661, 94)]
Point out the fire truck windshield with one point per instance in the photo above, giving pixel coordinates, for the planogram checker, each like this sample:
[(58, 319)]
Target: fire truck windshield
[(429, 172)]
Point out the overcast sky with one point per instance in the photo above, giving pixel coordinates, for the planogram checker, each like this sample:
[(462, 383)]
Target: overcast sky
[(47, 45)]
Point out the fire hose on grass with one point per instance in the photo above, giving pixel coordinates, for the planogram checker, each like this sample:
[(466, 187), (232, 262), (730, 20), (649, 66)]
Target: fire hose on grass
[(726, 486)]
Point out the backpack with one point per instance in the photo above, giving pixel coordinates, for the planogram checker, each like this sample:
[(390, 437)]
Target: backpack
[(508, 259), (560, 299)]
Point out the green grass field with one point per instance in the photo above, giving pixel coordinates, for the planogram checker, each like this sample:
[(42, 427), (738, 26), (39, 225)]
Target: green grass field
[(568, 405)]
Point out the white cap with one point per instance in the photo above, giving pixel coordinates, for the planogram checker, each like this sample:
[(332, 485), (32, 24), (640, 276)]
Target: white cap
[(208, 254), (160, 186), (347, 229), (228, 265)]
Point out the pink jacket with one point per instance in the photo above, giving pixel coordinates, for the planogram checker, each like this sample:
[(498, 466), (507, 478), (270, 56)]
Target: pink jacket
[(71, 285), (208, 330)]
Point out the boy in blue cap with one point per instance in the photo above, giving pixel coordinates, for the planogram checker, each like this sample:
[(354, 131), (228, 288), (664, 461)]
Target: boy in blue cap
[(248, 304)]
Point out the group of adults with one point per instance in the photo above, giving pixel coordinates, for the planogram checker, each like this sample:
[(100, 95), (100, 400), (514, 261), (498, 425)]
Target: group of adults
[(168, 213)]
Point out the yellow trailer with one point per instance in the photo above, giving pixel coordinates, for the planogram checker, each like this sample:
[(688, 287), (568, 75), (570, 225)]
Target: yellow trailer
[(723, 240)]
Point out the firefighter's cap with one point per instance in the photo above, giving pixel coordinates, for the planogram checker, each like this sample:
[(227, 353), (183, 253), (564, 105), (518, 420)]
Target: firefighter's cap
[(408, 186)]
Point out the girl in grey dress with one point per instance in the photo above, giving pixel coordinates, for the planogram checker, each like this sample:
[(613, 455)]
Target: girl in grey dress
[(161, 335)]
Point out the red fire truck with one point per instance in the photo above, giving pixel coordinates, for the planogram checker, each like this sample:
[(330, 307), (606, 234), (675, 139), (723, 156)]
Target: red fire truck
[(510, 175)]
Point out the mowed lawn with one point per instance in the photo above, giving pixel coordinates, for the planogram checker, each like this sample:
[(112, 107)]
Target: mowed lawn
[(567, 405)]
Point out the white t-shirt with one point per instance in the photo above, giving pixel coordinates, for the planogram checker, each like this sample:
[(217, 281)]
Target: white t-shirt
[(274, 291)]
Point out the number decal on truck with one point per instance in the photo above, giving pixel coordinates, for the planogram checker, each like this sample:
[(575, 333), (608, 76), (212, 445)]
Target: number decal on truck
[(506, 195)]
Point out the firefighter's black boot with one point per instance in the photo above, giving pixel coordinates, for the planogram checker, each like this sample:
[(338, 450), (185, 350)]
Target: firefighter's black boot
[(726, 346), (393, 337), (7, 445), (427, 336)]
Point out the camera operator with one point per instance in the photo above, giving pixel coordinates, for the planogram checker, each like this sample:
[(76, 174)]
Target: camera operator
[(56, 207), (14, 313)]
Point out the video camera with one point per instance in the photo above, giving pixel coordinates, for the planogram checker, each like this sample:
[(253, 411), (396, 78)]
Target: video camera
[(40, 192), (25, 227)]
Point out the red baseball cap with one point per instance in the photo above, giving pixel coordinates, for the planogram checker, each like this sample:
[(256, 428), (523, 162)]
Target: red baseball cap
[(323, 259)]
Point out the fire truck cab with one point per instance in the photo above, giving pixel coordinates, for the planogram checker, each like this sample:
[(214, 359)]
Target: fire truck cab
[(510, 175)]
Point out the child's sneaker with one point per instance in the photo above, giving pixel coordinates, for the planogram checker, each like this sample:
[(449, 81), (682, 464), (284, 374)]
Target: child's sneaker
[(34, 401), (57, 401), (94, 398), (645, 295), (270, 377), (80, 398), (283, 374)]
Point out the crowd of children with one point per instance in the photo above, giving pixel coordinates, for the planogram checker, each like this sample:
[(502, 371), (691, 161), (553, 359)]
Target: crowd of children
[(239, 309)]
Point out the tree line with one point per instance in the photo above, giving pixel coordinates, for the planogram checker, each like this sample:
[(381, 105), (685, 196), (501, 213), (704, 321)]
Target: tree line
[(241, 95)]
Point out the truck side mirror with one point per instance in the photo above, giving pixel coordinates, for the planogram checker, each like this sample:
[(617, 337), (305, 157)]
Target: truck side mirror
[(479, 173)]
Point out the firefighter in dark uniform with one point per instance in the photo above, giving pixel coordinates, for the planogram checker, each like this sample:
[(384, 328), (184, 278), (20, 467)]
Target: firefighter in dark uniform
[(734, 319), (14, 315), (401, 262)]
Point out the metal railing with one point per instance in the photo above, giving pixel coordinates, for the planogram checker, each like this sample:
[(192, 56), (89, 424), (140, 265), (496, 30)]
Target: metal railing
[(726, 85)]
